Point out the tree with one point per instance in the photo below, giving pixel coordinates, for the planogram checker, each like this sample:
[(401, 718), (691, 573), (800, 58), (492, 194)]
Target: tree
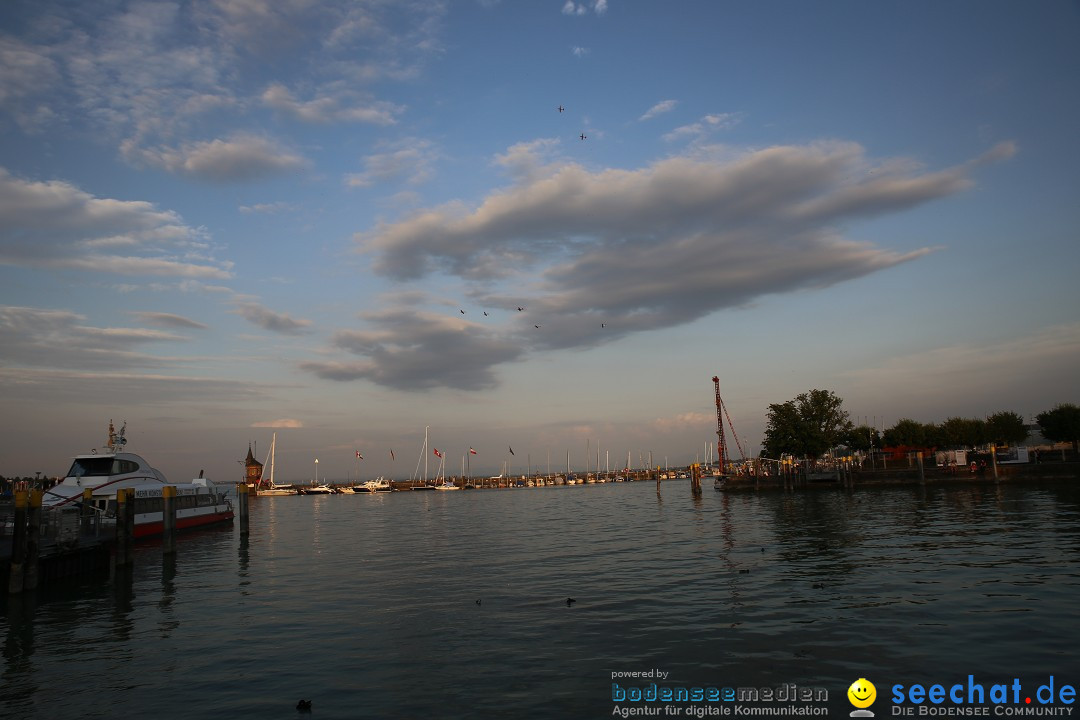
[(862, 437), (1006, 428), (1062, 424), (906, 433), (809, 425), (964, 432)]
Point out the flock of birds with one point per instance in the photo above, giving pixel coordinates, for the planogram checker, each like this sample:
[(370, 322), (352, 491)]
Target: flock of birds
[(521, 309)]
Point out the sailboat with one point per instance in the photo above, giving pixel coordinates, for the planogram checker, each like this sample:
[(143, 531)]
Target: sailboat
[(423, 455), (267, 486), (447, 483)]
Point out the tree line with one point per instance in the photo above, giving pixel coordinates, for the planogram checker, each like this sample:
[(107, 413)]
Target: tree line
[(815, 423)]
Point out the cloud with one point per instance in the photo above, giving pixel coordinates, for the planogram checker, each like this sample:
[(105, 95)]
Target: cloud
[(703, 127), (42, 338), (240, 158), (282, 423), (270, 320), (684, 421), (1025, 373), (581, 8), (525, 160), (579, 51), (55, 225), (414, 351), (267, 208), (408, 160), (609, 253), (71, 387), (169, 320), (329, 108), (149, 76), (658, 109)]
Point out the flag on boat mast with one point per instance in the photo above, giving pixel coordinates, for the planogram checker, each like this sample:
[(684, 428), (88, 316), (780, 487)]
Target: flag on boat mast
[(359, 456), (471, 451), (511, 450), (392, 454), (439, 454)]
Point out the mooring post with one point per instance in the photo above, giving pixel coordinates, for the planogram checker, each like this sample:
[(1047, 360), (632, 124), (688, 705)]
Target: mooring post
[(18, 543), (242, 506), (121, 551), (656, 472), (168, 518), (695, 480), (129, 525), (33, 541), (86, 510)]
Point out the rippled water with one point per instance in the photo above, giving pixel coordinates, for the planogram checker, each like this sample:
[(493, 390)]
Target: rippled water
[(412, 605)]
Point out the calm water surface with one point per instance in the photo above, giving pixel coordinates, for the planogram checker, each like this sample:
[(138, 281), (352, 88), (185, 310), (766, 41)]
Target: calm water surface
[(414, 605)]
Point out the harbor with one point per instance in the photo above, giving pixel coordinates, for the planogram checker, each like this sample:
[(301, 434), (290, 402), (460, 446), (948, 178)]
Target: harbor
[(455, 604)]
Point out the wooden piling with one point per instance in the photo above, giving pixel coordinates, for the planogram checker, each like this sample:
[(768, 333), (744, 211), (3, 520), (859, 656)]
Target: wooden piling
[(18, 543), (125, 526), (33, 541), (168, 528), (695, 479), (243, 492)]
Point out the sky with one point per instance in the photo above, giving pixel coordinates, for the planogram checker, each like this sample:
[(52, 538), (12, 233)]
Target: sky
[(541, 226)]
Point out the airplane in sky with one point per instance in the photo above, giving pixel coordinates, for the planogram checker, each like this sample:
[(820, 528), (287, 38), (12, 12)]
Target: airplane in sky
[(582, 136), (561, 108)]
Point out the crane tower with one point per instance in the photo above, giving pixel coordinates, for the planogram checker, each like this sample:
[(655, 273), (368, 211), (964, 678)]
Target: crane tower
[(721, 443)]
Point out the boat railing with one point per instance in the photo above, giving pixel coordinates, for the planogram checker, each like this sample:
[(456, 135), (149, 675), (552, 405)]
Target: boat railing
[(62, 525)]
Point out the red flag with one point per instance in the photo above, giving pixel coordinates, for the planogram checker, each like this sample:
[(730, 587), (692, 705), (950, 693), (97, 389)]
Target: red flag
[(471, 451), (438, 453)]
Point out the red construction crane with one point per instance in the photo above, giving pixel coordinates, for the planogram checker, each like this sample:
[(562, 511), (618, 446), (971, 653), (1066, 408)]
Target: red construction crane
[(721, 444)]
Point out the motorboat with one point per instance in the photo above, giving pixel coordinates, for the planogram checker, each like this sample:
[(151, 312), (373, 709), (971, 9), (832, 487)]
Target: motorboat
[(374, 486), (323, 489), (199, 502)]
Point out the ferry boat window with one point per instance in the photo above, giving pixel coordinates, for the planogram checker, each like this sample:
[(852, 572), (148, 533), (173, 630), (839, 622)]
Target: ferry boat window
[(149, 505), (123, 466), (91, 467)]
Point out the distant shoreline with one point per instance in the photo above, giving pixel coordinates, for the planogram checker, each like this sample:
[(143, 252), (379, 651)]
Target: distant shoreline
[(910, 476)]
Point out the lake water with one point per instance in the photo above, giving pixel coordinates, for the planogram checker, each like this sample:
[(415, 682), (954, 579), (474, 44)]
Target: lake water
[(416, 605)]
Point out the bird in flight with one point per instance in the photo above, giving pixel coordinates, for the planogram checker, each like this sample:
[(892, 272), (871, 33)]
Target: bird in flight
[(485, 313), (520, 309), (561, 108), (462, 312), (536, 326), (582, 136)]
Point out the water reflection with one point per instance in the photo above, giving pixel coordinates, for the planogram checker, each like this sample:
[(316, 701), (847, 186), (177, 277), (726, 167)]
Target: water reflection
[(353, 598)]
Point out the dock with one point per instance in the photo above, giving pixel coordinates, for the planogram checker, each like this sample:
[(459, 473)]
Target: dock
[(40, 547)]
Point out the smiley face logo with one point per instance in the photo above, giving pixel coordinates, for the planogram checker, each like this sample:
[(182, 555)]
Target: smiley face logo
[(862, 693)]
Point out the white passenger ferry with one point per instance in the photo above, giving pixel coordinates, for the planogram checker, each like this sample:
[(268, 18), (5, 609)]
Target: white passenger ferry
[(198, 502)]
